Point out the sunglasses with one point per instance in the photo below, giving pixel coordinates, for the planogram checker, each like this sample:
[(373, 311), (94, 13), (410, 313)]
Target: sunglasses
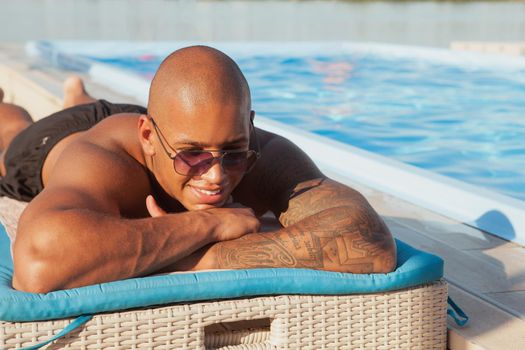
[(197, 162)]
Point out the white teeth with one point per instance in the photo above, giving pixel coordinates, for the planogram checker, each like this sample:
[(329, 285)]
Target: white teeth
[(208, 193)]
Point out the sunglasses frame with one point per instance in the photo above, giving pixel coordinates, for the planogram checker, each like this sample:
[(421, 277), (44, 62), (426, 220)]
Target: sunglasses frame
[(212, 160)]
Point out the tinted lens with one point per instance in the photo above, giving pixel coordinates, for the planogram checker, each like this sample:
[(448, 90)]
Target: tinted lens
[(198, 162), (238, 161), (192, 162)]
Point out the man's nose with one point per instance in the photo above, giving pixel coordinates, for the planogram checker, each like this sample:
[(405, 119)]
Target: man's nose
[(215, 173)]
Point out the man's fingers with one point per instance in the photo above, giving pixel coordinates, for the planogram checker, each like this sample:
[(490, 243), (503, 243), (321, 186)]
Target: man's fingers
[(153, 208)]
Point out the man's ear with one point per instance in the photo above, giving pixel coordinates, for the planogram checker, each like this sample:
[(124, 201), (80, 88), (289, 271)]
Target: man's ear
[(145, 130), (252, 116)]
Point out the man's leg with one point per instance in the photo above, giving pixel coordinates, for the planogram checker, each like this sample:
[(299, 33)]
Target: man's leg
[(13, 119)]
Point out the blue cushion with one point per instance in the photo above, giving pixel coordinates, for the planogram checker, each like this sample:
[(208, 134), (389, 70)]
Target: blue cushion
[(414, 268)]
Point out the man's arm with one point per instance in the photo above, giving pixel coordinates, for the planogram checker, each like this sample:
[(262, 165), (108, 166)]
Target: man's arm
[(78, 231), (327, 225)]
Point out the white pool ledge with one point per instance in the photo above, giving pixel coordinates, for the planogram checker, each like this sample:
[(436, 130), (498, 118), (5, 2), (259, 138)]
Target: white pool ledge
[(484, 209)]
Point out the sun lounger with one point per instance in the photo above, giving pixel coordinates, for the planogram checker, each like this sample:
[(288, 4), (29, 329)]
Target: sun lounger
[(232, 309)]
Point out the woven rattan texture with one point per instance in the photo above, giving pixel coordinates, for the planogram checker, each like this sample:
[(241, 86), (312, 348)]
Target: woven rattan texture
[(413, 318)]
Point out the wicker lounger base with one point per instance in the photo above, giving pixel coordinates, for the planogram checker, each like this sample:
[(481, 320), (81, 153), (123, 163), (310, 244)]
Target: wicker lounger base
[(413, 318)]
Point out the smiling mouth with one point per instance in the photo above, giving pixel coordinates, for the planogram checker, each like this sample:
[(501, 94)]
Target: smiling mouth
[(214, 197), (208, 192)]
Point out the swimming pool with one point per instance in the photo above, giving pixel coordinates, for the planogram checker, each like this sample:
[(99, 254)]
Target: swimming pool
[(459, 115)]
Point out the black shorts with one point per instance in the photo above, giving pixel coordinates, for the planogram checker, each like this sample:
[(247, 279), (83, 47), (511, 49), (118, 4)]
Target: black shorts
[(24, 158)]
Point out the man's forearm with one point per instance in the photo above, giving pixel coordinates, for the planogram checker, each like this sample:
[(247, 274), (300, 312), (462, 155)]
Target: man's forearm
[(336, 239), (95, 248)]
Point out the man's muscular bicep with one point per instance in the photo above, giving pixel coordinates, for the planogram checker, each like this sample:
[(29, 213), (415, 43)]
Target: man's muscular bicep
[(314, 196)]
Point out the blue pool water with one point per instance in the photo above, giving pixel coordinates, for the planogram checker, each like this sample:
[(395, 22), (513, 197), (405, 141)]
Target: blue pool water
[(461, 121)]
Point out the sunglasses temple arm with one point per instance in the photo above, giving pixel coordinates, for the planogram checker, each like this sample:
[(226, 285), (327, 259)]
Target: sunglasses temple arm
[(161, 139), (257, 145)]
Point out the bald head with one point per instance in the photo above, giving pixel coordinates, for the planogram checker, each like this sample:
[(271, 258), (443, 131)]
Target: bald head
[(196, 76)]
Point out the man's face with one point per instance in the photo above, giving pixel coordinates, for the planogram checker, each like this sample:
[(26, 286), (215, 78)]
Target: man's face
[(211, 127)]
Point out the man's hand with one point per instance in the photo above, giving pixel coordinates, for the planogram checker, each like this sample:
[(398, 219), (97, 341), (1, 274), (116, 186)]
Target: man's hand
[(232, 221), (235, 221)]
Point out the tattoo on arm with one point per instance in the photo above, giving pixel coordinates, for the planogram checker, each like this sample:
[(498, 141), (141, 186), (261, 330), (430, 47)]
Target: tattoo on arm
[(336, 239), (326, 225), (254, 250), (314, 196)]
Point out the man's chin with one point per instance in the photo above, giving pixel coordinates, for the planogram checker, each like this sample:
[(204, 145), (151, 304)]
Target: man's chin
[(203, 206)]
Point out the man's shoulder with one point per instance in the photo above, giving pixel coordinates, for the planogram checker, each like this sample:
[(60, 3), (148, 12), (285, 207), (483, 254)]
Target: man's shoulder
[(268, 143), (279, 154), (105, 163), (280, 168), (115, 138)]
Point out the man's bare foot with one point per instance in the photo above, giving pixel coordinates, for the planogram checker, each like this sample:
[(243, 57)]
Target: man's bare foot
[(75, 92), (1, 95)]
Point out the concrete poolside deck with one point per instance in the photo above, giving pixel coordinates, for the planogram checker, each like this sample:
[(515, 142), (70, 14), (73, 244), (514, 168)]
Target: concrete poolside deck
[(486, 274)]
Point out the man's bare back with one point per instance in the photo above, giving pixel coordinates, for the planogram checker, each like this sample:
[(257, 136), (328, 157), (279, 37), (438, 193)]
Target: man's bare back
[(115, 206)]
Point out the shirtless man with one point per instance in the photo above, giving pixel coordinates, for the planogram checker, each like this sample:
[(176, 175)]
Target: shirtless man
[(177, 187)]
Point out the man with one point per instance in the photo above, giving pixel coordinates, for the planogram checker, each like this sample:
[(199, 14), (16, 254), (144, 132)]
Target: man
[(177, 187)]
